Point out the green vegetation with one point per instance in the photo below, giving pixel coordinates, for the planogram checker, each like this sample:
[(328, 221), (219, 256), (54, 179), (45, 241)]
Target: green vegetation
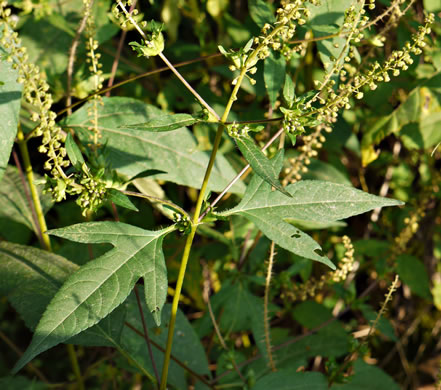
[(215, 194)]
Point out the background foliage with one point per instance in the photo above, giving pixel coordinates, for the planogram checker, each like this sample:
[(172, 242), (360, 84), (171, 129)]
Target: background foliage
[(252, 314)]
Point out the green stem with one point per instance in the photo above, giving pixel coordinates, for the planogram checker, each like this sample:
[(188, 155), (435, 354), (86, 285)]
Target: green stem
[(190, 237), (195, 221), (75, 366), (22, 144)]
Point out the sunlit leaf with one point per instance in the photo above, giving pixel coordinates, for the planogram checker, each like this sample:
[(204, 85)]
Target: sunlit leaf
[(134, 151), (10, 98), (315, 201), (101, 285)]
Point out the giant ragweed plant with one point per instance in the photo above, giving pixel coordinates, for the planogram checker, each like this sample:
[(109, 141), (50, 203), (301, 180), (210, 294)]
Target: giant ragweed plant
[(292, 95)]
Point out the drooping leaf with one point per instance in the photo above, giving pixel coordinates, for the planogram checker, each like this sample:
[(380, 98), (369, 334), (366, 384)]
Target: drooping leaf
[(260, 12), (166, 122), (367, 377), (413, 272), (101, 285), (10, 98), (274, 75), (14, 204), (134, 151), (315, 201), (120, 199), (261, 165), (30, 277), (74, 152), (292, 380)]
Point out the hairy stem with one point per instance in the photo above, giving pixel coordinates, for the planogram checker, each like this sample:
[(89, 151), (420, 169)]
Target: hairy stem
[(266, 324), (71, 60), (190, 237)]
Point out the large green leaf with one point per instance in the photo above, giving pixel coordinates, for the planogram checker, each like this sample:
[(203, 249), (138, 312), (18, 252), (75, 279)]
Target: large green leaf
[(292, 380), (14, 204), (367, 377), (314, 201), (101, 285), (134, 151), (30, 277), (10, 97), (261, 165)]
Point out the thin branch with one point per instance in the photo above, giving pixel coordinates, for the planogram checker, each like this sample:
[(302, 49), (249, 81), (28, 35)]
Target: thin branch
[(118, 53), (146, 335), (266, 323), (129, 80), (206, 296), (19, 353), (170, 65), (302, 336), (158, 200), (72, 52)]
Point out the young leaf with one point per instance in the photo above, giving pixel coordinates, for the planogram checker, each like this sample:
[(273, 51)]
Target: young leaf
[(315, 201), (274, 75), (165, 123), (120, 199), (101, 285), (134, 151), (261, 165), (74, 152), (10, 98)]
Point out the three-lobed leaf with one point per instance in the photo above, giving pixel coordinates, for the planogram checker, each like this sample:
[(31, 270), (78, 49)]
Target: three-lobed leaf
[(101, 285), (313, 201)]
